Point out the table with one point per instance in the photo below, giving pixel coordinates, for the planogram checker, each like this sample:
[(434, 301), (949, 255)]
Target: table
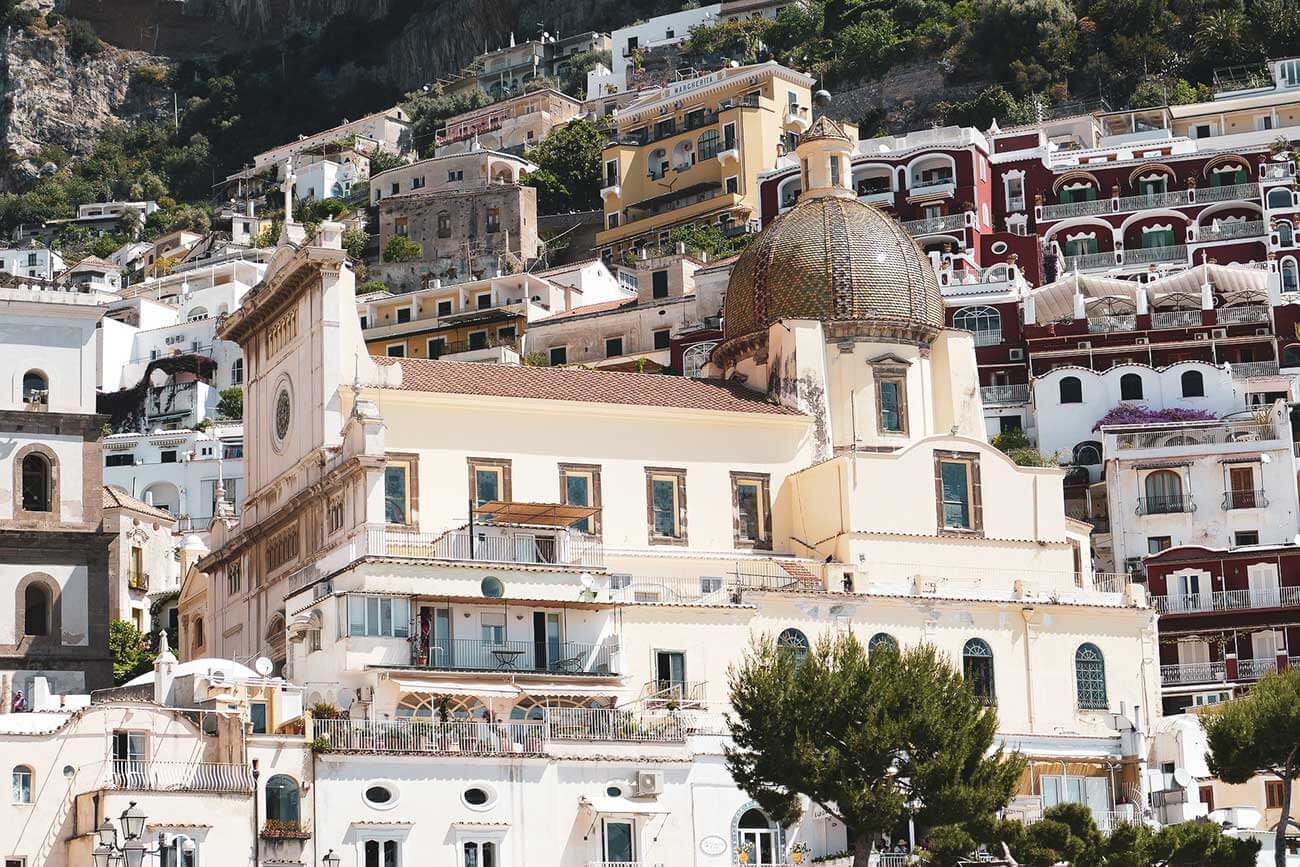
[(506, 657)]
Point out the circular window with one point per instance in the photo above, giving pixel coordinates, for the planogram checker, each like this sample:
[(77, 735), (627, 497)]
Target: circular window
[(492, 587), (614, 791), (997, 248), (478, 797), (283, 413), (381, 796)]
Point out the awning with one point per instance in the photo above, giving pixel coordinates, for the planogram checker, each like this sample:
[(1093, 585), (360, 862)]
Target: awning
[(567, 690), (540, 514), (457, 687), (606, 804), (1161, 465), (1242, 459)]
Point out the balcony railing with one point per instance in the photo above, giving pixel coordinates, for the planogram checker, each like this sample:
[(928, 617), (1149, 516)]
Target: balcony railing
[(1112, 322), (1088, 262), (1175, 318), (1277, 171), (562, 548), (615, 724), (1076, 209), (562, 657), (1146, 255), (1251, 369), (931, 225), (1231, 231), (1237, 315), (1254, 669), (470, 737), (1228, 600), (1171, 199), (937, 185), (673, 694), (1193, 672), (1244, 500), (141, 776), (622, 864), (138, 581), (1174, 436), (668, 590), (1167, 504), (1228, 193), (1004, 394)]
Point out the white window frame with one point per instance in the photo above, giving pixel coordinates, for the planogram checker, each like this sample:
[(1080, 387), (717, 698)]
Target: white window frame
[(399, 626), (495, 836)]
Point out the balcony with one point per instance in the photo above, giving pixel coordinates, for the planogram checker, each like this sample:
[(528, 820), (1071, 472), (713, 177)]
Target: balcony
[(1244, 500), (1277, 171), (1167, 504), (1209, 433), (1241, 315), (1252, 369), (668, 590), (1232, 231), (512, 657), (138, 581), (1176, 319), (1254, 669), (994, 395), (940, 186), (1171, 199), (419, 736), (934, 225), (1148, 255), (1112, 322), (141, 776), (876, 196), (1229, 193), (176, 399), (1088, 262), (1065, 210), (1193, 672), (674, 694), (490, 544), (1228, 600)]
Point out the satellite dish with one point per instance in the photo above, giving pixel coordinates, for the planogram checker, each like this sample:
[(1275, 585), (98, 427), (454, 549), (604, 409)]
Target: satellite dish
[(588, 581), (1182, 777), (264, 666)]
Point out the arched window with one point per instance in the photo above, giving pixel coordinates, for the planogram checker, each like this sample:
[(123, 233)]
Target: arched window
[(282, 800), (1071, 390), (985, 322), (1193, 383), (1164, 493), (36, 609), (1285, 234), (882, 641), (440, 707), (1130, 387), (977, 666), (237, 372), (757, 832), (444, 224), (794, 641), (1290, 276), (1279, 197), (1087, 454), (1291, 356), (709, 145), (1090, 677), (22, 785), (36, 483), (695, 357), (197, 313), (36, 388)]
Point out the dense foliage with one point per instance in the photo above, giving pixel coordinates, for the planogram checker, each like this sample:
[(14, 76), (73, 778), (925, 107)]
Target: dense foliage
[(131, 655), (1136, 413), (870, 738), (1017, 446), (568, 167)]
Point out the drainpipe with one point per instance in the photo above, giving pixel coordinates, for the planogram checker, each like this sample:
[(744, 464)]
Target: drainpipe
[(1026, 614), (257, 839)]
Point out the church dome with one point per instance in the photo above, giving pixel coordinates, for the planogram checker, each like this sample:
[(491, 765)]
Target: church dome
[(834, 259)]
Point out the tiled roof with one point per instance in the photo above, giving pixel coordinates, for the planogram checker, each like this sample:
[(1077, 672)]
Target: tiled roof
[(576, 384), (117, 498), (94, 263), (587, 309)]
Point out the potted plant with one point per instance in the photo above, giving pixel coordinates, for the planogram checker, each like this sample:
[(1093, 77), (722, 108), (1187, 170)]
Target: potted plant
[(797, 851), (744, 852)]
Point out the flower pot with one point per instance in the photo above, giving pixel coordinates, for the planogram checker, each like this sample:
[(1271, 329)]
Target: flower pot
[(796, 857), (743, 857)]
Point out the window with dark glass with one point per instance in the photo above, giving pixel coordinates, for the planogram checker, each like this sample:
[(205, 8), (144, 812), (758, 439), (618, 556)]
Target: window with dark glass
[(977, 666), (1090, 677), (659, 284), (36, 610), (404, 314), (795, 642), (282, 799), (1071, 390), (613, 347), (396, 494), (1193, 383), (890, 395), (1130, 387), (36, 483), (437, 346), (882, 641), (955, 486), (750, 500), (444, 308), (558, 355), (662, 338), (478, 340)]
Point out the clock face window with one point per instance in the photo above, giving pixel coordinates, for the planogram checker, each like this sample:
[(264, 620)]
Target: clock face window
[(283, 413)]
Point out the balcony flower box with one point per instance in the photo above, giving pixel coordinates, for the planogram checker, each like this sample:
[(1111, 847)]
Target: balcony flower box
[(276, 829)]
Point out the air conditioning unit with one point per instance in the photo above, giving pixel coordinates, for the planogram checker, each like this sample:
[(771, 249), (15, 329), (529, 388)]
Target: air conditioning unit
[(1261, 332), (649, 783), (1141, 341), (1085, 344), (1201, 337), (1016, 354), (1219, 333)]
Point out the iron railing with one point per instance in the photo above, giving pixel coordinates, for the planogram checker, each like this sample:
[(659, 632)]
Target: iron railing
[(564, 547), (142, 776), (668, 590), (1277, 171), (1004, 394), (931, 225), (1244, 500), (1193, 672), (561, 657), (1165, 504), (615, 724), (1088, 261), (473, 737), (1145, 255), (918, 188), (1175, 318), (1227, 193), (1170, 199), (1227, 600), (1112, 322), (1229, 231), (1250, 369), (1065, 210), (1253, 669), (1237, 315), (1175, 435)]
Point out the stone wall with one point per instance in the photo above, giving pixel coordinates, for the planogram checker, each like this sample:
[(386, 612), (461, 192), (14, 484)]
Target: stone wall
[(905, 96)]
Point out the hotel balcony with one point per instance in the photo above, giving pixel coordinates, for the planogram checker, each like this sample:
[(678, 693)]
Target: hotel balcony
[(1231, 231), (1066, 210), (1244, 500), (1284, 171), (489, 543), (1004, 395), (516, 657), (1175, 319), (1103, 261), (1227, 193), (1252, 369), (1128, 204), (1112, 322), (937, 225), (1179, 435), (1148, 255), (935, 187), (142, 776), (169, 400), (1167, 504), (1222, 672), (1228, 600), (1242, 315)]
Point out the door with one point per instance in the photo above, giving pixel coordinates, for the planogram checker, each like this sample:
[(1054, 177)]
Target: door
[(435, 636), (670, 671), (1187, 593), (763, 842), (546, 640), (1264, 647), (129, 759), (1241, 488), (619, 841), (1263, 589)]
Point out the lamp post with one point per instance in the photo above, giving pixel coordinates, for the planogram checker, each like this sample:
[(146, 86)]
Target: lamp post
[(330, 859), (132, 849)]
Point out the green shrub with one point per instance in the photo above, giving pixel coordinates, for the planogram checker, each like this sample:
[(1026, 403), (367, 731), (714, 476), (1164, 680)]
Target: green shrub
[(402, 249), (83, 41)]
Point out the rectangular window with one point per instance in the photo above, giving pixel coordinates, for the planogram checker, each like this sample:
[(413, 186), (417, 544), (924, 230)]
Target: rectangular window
[(750, 506), (506, 334), (167, 457), (613, 347), (492, 628), (126, 460), (437, 346), (1156, 544), (613, 221), (379, 616), (483, 301), (397, 494), (662, 338), (404, 315), (493, 220), (136, 578), (957, 491), (489, 480), (444, 308), (1245, 537), (257, 715), (381, 853), (558, 355), (728, 136), (401, 226), (659, 284), (396, 350), (1273, 793), (732, 184), (893, 411), (580, 486), (666, 505)]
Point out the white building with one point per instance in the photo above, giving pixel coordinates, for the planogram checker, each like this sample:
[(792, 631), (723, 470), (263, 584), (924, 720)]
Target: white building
[(657, 34), (31, 262), (178, 471)]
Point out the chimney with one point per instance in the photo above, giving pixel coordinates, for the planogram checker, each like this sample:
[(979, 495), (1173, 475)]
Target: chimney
[(164, 672)]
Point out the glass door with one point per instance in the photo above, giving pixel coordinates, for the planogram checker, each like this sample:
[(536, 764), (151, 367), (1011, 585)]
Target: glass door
[(619, 841), (670, 671), (546, 640), (763, 843)]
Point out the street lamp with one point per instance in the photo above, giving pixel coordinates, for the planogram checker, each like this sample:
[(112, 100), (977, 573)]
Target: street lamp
[(132, 851), (330, 859)]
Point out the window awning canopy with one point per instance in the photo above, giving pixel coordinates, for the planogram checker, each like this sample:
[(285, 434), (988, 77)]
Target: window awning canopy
[(620, 806), (537, 514)]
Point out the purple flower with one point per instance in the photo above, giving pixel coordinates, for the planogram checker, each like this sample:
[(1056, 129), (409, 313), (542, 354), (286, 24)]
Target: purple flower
[(1127, 413)]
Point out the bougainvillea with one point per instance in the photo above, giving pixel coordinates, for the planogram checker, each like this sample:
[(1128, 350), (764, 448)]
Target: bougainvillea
[(1128, 413)]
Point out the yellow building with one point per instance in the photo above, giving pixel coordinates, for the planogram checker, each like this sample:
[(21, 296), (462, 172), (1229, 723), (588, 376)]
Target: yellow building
[(691, 152)]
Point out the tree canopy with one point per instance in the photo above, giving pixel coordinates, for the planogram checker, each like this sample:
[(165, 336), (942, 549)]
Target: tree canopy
[(568, 163), (869, 738), (131, 656)]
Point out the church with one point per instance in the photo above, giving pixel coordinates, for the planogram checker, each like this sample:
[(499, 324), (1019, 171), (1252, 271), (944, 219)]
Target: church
[(513, 593)]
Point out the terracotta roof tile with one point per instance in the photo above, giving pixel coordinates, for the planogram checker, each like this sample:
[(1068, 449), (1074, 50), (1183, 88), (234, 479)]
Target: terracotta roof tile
[(117, 498), (576, 384)]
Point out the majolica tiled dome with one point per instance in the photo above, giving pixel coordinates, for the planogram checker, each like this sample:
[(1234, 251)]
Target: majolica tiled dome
[(835, 259)]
